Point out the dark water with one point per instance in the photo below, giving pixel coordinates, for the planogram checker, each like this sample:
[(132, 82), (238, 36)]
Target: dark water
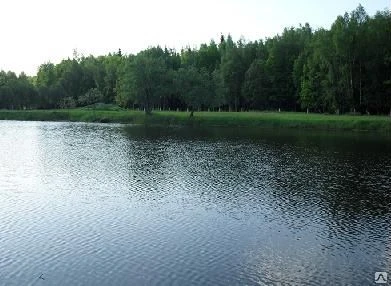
[(90, 204)]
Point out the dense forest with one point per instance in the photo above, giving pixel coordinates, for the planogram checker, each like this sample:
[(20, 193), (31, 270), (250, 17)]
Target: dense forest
[(342, 70)]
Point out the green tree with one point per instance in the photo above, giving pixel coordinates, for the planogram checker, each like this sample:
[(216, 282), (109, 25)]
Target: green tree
[(232, 69), (256, 85), (112, 64), (147, 77), (126, 96), (195, 87)]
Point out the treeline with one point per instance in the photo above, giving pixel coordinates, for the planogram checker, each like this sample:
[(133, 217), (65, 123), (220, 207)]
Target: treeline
[(344, 69)]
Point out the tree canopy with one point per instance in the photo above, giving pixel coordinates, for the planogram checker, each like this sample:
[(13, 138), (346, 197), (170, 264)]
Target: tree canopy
[(344, 69)]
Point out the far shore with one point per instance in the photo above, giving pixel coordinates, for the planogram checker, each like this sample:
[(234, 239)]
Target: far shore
[(228, 119)]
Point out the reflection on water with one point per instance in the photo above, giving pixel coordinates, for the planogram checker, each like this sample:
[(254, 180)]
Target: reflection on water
[(91, 204)]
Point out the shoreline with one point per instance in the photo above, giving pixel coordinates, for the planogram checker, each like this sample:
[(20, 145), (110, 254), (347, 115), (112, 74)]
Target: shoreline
[(294, 120)]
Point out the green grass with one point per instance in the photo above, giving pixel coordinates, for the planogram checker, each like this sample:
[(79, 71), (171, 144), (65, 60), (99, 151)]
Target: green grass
[(251, 119)]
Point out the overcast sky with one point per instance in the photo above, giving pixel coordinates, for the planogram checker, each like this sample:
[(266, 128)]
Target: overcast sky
[(34, 32)]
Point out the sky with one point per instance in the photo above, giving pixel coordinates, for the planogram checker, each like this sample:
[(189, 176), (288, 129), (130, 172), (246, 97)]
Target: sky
[(39, 31)]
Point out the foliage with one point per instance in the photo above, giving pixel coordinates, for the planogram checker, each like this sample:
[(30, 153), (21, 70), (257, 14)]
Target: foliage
[(90, 97), (341, 70)]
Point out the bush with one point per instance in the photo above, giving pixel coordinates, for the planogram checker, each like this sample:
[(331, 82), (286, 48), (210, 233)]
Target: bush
[(90, 97)]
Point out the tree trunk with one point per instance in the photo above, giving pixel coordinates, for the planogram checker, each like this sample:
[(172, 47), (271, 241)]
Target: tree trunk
[(351, 93), (360, 86), (147, 109), (147, 106)]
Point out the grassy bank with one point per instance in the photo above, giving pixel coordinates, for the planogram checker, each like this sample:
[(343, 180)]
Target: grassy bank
[(251, 119)]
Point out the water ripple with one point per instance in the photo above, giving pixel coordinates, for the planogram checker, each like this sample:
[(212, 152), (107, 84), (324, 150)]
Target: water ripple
[(92, 204)]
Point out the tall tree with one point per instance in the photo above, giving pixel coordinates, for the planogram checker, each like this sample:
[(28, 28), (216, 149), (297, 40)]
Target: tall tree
[(146, 79), (195, 86)]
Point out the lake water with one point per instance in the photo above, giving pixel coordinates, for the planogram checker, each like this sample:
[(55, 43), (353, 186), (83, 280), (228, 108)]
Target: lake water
[(96, 204)]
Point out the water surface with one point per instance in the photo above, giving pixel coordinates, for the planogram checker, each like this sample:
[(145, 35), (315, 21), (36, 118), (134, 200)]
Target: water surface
[(96, 204)]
